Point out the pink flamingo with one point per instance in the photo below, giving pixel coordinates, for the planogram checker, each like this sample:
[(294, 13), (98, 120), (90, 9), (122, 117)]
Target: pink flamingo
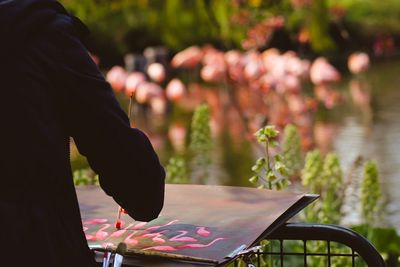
[(291, 84), (181, 238), (269, 57), (147, 90), (358, 62), (233, 57), (158, 105), (187, 58), (234, 61), (132, 82), (201, 245), (211, 73), (101, 234), (293, 64), (175, 90), (116, 77), (214, 65), (254, 67), (322, 71), (156, 72), (202, 231)]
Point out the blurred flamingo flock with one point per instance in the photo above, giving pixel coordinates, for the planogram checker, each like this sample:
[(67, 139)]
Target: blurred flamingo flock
[(245, 90)]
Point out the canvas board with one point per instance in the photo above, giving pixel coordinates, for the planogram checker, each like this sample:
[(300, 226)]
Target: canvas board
[(199, 221)]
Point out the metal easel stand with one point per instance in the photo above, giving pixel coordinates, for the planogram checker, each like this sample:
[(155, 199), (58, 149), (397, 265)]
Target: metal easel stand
[(359, 251)]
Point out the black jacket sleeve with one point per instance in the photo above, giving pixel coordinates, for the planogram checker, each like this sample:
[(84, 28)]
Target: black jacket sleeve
[(126, 162)]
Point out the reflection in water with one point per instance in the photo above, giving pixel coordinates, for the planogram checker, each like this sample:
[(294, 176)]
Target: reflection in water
[(324, 134), (378, 140)]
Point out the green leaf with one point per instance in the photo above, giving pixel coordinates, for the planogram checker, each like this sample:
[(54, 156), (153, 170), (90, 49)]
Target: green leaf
[(285, 182), (261, 161), (254, 179), (271, 176), (281, 168), (264, 243), (278, 158), (270, 131), (278, 186), (256, 168), (261, 137)]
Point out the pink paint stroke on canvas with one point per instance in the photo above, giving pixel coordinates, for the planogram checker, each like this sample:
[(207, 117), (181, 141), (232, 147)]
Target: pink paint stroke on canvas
[(201, 245), (121, 232), (129, 240), (182, 238), (159, 226), (141, 224), (202, 231), (157, 237), (101, 234), (161, 248)]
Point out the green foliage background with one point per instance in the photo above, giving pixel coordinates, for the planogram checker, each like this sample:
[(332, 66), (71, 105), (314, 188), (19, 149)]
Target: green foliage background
[(121, 26)]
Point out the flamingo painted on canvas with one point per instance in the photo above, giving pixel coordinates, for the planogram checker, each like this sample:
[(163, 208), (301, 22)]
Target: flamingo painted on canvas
[(161, 248), (201, 245), (158, 239), (131, 241), (101, 234), (121, 232), (90, 237), (202, 231), (152, 235), (182, 238), (139, 225), (159, 226)]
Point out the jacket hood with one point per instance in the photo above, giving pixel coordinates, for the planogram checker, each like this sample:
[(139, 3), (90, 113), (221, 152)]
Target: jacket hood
[(22, 20)]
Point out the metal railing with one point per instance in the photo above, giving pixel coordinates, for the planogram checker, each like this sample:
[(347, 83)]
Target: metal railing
[(334, 242)]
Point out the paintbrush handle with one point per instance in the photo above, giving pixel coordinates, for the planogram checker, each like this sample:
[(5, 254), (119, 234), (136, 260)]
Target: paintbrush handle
[(120, 210)]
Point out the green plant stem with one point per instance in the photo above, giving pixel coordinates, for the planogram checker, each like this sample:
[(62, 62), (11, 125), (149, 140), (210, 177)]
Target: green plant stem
[(267, 153)]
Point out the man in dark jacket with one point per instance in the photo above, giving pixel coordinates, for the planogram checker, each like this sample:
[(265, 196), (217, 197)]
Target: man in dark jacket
[(51, 90)]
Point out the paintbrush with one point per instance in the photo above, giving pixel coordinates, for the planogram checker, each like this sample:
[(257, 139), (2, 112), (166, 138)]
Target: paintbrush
[(118, 223)]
